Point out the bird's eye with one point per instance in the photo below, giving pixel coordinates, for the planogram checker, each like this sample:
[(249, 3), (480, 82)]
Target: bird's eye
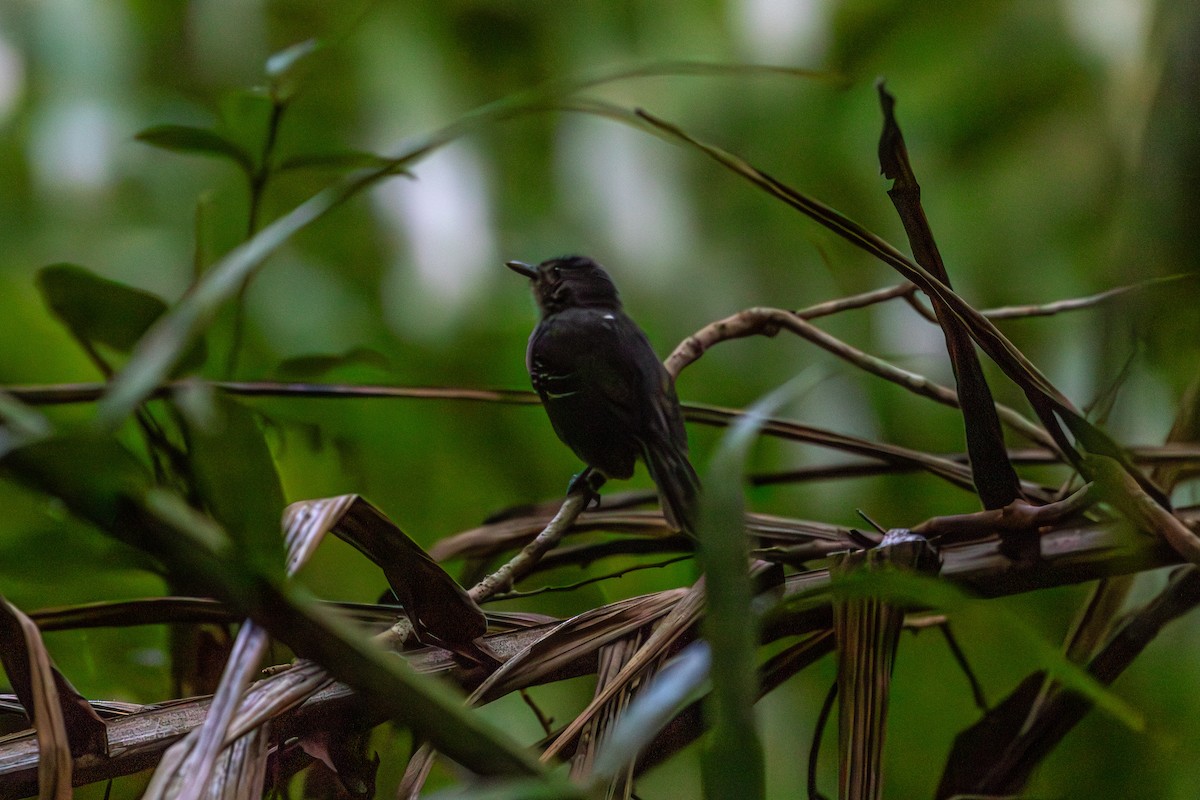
[(555, 273)]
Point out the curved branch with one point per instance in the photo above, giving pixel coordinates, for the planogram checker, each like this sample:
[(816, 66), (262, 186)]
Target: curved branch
[(769, 321)]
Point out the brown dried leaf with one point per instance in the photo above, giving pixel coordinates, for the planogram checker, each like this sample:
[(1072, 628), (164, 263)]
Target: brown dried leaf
[(577, 637), (201, 764), (612, 659), (440, 610), (868, 632), (995, 479), (63, 719), (241, 771), (565, 643), (674, 627)]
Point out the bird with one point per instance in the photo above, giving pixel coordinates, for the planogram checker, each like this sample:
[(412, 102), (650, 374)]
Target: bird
[(608, 396)]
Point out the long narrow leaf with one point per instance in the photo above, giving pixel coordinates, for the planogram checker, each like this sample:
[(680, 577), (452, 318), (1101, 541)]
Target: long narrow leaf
[(995, 479), (199, 141), (733, 765), (441, 612), (157, 353), (868, 634)]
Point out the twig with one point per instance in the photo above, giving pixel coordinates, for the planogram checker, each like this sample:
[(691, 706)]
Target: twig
[(956, 473), (694, 412), (1044, 309), (769, 321), (922, 310), (814, 749), (1074, 303), (546, 722), (71, 393), (961, 658), (621, 573), (856, 301), (523, 562)]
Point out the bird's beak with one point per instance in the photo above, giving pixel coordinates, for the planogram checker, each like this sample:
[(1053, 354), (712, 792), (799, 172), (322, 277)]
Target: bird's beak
[(528, 270)]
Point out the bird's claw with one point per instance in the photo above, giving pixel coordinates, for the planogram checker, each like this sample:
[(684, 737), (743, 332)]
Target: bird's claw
[(587, 483)]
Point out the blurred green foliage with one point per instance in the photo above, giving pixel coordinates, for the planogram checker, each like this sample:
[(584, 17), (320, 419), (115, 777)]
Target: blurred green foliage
[(1054, 141)]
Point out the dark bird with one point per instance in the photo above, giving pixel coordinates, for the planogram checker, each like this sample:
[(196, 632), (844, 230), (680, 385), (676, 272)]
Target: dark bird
[(608, 396)]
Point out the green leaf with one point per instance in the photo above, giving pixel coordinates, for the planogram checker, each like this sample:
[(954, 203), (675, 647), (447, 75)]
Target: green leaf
[(235, 476), (245, 113), (733, 761), (97, 310), (90, 473), (200, 141), (81, 554), (159, 352)]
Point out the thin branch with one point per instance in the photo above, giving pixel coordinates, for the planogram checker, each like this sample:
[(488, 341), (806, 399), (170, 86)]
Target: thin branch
[(956, 473), (814, 749), (924, 311), (1182, 456), (960, 658), (68, 393), (523, 562), (571, 587), (694, 412), (856, 301), (1075, 303), (769, 321)]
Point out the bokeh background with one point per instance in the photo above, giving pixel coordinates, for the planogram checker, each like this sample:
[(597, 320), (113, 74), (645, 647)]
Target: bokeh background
[(1056, 143)]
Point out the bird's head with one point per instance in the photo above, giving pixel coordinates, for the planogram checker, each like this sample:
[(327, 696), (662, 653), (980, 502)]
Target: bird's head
[(569, 282)]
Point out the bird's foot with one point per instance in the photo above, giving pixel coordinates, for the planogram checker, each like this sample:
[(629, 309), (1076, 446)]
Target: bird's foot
[(588, 483)]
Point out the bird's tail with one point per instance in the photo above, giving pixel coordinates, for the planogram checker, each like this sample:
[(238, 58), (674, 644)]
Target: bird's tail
[(678, 485)]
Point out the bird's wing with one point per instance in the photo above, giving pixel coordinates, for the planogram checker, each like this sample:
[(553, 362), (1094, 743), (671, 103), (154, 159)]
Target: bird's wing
[(595, 353)]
